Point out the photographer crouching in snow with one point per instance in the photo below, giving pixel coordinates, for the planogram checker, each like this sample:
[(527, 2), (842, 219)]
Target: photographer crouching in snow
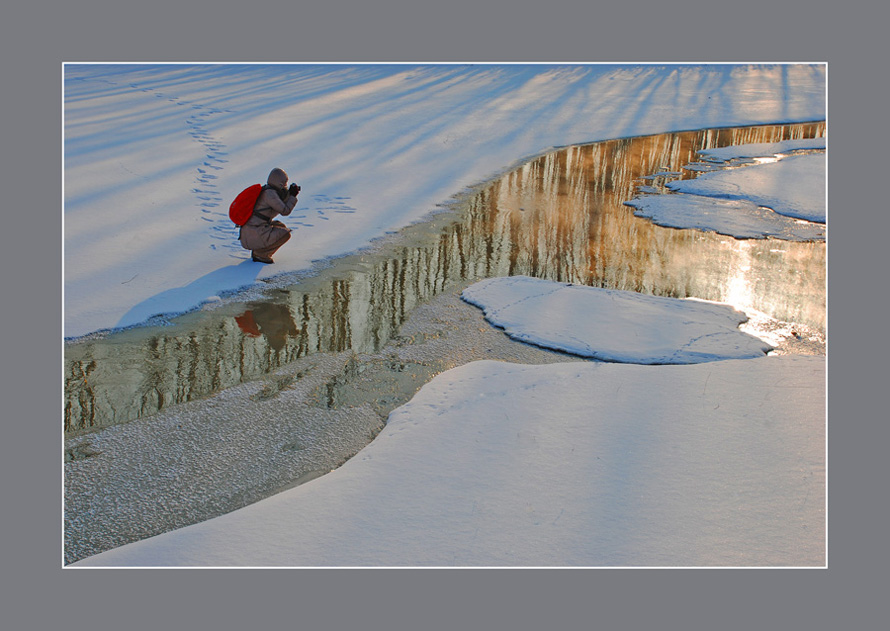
[(262, 235)]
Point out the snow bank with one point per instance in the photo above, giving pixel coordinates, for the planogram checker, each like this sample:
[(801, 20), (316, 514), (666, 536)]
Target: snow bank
[(793, 186), (576, 464), (153, 154), (613, 325)]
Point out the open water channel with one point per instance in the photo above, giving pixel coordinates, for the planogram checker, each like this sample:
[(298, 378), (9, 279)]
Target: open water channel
[(320, 362)]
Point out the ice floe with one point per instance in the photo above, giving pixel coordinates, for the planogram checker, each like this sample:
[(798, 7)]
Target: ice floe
[(613, 325), (794, 186), (738, 218)]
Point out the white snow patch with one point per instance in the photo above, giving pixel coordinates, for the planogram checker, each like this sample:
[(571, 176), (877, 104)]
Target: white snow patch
[(613, 325)]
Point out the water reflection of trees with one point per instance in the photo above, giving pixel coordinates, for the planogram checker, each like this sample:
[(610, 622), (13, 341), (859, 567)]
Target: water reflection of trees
[(559, 217)]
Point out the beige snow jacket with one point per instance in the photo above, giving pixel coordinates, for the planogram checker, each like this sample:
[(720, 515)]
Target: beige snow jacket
[(259, 232)]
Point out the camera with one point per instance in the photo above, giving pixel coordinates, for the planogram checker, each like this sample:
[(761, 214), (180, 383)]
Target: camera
[(294, 189)]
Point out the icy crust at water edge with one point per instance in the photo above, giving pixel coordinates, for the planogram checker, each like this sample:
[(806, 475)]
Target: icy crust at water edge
[(763, 149), (782, 197)]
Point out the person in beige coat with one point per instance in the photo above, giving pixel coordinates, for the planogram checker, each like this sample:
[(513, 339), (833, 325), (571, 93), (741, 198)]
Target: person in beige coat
[(262, 234)]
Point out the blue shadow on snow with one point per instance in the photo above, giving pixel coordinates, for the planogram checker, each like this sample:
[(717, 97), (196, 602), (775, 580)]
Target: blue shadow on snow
[(182, 299)]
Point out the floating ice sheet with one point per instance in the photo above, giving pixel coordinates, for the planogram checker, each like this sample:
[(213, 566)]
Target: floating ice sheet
[(793, 186), (739, 218), (612, 325)]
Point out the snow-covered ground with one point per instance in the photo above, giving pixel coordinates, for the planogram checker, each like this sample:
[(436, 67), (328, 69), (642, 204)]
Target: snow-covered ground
[(153, 154), (720, 462)]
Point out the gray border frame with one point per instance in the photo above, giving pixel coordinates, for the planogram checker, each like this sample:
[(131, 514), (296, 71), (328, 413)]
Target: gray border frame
[(36, 39)]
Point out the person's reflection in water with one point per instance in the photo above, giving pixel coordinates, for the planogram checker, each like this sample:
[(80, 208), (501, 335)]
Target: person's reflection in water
[(269, 320)]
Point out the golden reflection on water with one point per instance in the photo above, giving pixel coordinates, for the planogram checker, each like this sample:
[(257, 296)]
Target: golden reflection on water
[(560, 217), (606, 246)]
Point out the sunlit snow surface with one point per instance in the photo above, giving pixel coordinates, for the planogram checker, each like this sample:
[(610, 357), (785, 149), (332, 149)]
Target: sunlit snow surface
[(612, 325), (153, 154)]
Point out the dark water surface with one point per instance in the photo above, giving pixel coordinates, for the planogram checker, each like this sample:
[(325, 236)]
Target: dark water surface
[(559, 216)]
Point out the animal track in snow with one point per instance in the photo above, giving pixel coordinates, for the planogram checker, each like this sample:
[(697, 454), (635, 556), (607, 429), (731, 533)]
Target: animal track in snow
[(206, 195)]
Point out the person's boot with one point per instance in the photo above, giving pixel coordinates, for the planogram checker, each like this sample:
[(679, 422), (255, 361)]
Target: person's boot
[(256, 258)]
